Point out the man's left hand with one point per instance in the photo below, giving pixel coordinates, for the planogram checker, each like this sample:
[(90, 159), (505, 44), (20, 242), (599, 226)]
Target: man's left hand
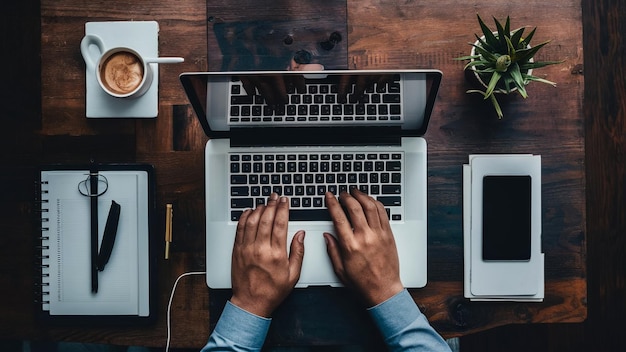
[(263, 274)]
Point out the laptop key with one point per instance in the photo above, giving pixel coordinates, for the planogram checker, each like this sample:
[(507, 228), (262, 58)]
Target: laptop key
[(390, 200), (241, 203), (393, 166), (239, 191), (235, 215), (241, 100), (238, 179), (391, 98), (391, 189), (313, 214)]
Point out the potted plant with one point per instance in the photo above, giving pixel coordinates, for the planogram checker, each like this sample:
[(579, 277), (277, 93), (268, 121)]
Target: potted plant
[(502, 61)]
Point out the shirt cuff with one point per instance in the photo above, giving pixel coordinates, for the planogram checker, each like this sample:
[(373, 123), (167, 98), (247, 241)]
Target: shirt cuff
[(386, 315), (246, 329)]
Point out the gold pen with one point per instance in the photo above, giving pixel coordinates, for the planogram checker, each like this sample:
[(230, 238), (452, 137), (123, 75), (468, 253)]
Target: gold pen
[(169, 212)]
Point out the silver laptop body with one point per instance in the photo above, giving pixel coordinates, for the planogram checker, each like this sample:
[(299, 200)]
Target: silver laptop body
[(316, 138)]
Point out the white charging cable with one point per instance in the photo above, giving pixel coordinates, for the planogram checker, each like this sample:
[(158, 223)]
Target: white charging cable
[(169, 305)]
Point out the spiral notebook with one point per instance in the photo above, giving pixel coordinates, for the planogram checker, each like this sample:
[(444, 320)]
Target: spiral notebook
[(124, 282)]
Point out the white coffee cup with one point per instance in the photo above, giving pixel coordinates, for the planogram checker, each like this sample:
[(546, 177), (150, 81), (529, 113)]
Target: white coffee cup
[(121, 72)]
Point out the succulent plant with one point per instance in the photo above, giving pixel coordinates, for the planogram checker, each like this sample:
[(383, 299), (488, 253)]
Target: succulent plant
[(503, 60)]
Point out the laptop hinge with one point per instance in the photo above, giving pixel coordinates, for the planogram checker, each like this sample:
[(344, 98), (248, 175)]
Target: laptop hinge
[(315, 137)]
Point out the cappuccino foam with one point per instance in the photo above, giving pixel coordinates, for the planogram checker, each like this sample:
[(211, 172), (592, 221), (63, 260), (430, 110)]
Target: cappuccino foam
[(122, 72)]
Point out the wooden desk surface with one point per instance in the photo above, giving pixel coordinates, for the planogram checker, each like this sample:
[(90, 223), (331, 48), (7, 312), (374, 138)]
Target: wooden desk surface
[(381, 35)]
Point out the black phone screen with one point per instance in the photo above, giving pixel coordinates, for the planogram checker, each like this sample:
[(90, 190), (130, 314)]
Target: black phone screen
[(506, 217)]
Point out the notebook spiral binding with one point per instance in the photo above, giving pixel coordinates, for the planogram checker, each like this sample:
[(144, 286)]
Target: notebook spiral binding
[(42, 267)]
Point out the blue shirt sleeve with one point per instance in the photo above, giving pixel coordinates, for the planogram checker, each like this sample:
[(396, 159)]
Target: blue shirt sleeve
[(238, 330), (401, 323), (404, 327)]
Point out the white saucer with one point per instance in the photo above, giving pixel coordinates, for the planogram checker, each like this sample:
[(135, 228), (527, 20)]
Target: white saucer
[(143, 37)]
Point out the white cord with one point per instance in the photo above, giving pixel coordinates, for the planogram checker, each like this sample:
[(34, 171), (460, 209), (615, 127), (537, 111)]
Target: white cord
[(169, 305)]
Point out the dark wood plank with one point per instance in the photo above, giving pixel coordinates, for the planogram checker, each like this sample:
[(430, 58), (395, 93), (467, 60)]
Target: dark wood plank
[(605, 121), (249, 35)]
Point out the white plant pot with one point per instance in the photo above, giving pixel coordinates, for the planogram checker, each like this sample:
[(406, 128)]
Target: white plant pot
[(486, 84)]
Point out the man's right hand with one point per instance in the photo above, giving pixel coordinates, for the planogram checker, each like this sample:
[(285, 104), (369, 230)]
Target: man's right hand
[(364, 254)]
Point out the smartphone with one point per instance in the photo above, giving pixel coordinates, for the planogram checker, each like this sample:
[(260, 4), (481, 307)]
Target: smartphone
[(507, 207)]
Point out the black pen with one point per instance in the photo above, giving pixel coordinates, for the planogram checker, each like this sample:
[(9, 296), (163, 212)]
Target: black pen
[(93, 195), (108, 239)]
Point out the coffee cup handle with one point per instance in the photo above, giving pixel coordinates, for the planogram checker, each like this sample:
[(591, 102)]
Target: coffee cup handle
[(87, 41)]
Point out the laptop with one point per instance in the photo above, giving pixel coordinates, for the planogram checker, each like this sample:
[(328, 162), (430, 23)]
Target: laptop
[(300, 134)]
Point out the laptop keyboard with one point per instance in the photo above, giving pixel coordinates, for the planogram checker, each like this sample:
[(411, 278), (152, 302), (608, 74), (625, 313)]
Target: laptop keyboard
[(320, 103), (305, 178)]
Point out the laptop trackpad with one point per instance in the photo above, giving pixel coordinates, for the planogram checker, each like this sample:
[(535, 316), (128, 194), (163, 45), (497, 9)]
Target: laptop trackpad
[(317, 269)]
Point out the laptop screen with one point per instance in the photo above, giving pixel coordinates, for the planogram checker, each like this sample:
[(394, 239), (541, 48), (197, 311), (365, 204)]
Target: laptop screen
[(396, 100)]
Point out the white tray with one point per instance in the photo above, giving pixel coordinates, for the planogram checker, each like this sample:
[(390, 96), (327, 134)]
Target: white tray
[(143, 37)]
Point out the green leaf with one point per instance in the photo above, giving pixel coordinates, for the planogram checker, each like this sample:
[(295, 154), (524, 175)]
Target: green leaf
[(489, 37), (507, 26), (483, 44), (496, 106), (516, 38), (487, 55), (495, 77), (529, 37), (518, 79), (476, 91), (469, 57), (538, 64), (488, 70), (502, 34), (537, 79), (511, 49), (524, 55), (477, 65)]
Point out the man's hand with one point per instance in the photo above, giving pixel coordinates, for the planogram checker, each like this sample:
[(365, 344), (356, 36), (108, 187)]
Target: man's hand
[(357, 85), (262, 272), (273, 87), (364, 254)]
